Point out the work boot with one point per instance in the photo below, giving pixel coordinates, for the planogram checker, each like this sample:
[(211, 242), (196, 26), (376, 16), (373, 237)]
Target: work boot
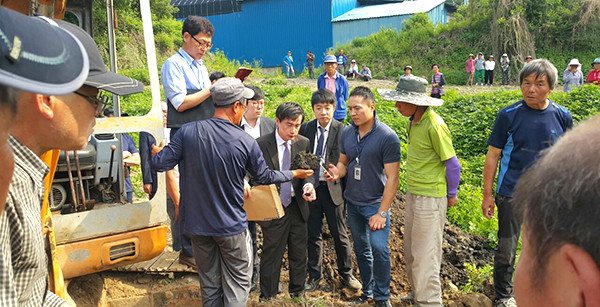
[(352, 283)]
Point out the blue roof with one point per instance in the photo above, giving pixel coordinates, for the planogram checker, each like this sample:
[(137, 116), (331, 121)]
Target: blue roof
[(389, 9)]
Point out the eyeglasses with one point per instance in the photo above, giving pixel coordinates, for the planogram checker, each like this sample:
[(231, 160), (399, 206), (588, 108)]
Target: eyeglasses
[(205, 45), (99, 102), (257, 103)]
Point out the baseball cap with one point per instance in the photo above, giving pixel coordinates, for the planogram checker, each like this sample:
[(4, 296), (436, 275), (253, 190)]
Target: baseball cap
[(407, 67), (353, 61), (330, 59), (98, 77), (504, 54), (39, 57), (229, 90)]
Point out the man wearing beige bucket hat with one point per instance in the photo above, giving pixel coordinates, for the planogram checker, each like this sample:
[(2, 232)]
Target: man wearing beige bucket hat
[(432, 176)]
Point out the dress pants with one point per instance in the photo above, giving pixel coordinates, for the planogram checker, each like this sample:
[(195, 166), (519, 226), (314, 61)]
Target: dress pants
[(288, 231), (336, 221)]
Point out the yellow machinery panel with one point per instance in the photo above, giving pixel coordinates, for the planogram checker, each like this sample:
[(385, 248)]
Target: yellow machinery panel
[(100, 254)]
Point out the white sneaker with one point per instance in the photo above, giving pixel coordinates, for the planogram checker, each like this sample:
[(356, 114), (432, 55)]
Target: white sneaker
[(505, 302)]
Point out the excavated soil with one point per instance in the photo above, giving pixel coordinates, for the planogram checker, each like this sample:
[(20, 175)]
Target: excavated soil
[(135, 289)]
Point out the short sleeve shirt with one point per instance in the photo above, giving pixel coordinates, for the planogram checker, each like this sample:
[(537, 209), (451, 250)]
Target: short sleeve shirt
[(378, 147), (429, 145), (522, 133), (181, 72)]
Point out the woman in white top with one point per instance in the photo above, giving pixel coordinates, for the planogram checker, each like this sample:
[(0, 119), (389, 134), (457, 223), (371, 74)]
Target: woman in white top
[(353, 71), (489, 71)]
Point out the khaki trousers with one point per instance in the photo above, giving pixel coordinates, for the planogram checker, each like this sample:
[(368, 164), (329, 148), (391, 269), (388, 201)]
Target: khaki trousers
[(423, 234)]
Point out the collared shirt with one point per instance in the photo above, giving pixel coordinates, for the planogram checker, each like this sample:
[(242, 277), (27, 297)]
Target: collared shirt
[(324, 152), (23, 262), (253, 131), (378, 147), (330, 82), (429, 145), (213, 156), (281, 144), (180, 73)]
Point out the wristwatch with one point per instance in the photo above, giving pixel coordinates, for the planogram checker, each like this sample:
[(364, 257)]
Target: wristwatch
[(383, 214)]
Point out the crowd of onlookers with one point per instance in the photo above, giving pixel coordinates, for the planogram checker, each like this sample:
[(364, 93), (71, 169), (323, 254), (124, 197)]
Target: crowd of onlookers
[(220, 146)]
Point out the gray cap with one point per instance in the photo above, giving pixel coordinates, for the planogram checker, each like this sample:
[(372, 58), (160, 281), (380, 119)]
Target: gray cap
[(39, 57), (229, 90), (330, 59), (410, 90)]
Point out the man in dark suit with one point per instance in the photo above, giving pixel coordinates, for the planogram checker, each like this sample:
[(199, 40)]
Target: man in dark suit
[(324, 134), (256, 126), (290, 230)]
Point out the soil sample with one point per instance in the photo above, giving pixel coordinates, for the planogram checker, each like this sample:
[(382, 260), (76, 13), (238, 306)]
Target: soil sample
[(305, 160)]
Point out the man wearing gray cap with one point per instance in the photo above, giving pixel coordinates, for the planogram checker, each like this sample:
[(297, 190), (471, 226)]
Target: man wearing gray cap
[(432, 176), (213, 157), (44, 122), (336, 83)]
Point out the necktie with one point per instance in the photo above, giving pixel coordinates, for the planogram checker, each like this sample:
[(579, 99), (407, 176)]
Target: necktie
[(319, 153), (286, 187)]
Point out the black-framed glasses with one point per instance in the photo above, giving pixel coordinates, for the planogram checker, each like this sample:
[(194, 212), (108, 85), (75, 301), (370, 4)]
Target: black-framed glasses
[(205, 45), (99, 102)]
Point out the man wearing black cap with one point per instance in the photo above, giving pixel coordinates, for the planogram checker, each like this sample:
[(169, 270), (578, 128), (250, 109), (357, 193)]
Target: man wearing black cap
[(213, 157), (45, 122)]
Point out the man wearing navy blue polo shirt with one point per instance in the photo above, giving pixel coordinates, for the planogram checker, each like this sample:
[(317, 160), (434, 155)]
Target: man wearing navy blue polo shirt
[(214, 156), (370, 157), (521, 131)]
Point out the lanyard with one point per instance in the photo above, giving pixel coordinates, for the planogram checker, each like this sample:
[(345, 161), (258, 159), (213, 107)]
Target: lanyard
[(364, 140)]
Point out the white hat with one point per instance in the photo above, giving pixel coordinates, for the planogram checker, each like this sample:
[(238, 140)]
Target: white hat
[(504, 54), (574, 62)]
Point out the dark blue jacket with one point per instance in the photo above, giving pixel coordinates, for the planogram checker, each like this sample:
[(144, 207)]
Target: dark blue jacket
[(148, 174), (213, 157)]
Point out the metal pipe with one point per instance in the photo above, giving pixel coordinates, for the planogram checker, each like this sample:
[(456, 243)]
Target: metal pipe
[(113, 148), (83, 201), (75, 203)]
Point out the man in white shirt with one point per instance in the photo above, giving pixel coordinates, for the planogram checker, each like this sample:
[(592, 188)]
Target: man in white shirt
[(256, 126)]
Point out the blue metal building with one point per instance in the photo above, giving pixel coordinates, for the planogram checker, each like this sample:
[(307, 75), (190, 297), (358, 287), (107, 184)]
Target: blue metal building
[(265, 30), (365, 20)]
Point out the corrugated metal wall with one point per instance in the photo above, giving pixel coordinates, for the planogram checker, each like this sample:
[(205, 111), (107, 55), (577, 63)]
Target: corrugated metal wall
[(345, 31), (266, 29), (341, 7)]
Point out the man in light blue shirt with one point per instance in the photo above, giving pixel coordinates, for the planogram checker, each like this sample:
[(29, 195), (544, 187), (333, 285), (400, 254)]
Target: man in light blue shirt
[(187, 90), (185, 77)]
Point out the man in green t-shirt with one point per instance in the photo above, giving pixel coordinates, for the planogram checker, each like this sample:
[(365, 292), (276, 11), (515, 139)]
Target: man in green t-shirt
[(432, 175)]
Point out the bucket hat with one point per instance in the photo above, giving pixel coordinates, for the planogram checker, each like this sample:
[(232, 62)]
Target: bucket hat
[(574, 62), (411, 90), (39, 57)]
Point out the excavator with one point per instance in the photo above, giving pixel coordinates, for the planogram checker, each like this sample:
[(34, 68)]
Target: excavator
[(99, 231)]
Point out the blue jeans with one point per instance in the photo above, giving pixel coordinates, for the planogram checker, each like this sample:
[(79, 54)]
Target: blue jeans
[(371, 250)]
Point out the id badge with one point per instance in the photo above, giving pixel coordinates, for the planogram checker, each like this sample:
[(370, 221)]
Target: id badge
[(357, 172)]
